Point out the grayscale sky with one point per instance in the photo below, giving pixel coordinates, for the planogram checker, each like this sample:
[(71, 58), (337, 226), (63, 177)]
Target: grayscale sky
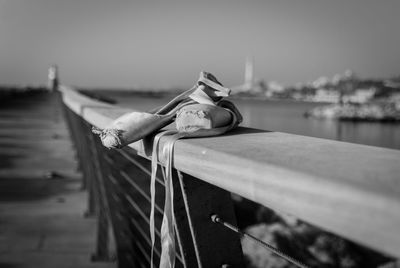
[(167, 43)]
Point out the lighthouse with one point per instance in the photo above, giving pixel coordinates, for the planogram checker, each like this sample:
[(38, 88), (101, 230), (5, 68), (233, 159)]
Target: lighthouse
[(52, 82), (249, 74)]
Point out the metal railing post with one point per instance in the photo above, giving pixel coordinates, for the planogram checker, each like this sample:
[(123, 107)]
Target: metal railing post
[(214, 246)]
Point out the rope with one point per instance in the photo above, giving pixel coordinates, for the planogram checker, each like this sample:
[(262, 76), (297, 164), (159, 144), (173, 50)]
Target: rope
[(216, 219)]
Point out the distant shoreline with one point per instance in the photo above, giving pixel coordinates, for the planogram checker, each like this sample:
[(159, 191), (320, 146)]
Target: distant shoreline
[(366, 112)]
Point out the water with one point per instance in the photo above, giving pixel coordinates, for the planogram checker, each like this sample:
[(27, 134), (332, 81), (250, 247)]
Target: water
[(287, 116)]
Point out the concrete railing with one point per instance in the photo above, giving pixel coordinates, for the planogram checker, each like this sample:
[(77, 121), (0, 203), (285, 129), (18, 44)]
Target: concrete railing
[(348, 189)]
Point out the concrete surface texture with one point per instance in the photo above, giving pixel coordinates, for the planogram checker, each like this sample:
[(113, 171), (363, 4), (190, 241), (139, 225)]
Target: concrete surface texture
[(41, 200)]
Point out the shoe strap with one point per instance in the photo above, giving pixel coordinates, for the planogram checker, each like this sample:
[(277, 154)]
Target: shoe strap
[(168, 245), (154, 167), (175, 101), (197, 91), (221, 91), (201, 97)]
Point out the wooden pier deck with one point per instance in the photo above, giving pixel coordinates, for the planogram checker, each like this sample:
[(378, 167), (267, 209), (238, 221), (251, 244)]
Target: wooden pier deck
[(41, 201)]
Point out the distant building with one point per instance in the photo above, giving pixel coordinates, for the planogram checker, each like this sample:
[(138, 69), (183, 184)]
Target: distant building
[(360, 95), (395, 98), (324, 95), (249, 80), (321, 82), (52, 82), (275, 86), (249, 74)]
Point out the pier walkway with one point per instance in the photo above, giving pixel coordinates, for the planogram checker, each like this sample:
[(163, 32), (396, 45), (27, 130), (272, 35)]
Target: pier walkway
[(42, 203)]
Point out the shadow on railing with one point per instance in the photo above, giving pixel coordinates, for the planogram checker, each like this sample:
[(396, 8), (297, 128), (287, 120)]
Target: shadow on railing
[(348, 189)]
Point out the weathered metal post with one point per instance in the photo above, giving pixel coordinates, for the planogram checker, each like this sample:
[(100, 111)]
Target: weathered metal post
[(214, 246)]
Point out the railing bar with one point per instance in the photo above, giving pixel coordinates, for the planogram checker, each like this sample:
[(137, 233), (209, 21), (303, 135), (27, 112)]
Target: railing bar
[(133, 203), (129, 158), (142, 265), (137, 187), (143, 233), (115, 197), (145, 254), (119, 216), (139, 245), (131, 260), (131, 182), (113, 180), (109, 160), (179, 257), (135, 206)]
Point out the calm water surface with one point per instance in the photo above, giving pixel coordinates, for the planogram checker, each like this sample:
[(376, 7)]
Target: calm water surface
[(287, 116)]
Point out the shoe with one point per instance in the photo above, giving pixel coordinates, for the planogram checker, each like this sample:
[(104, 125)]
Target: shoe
[(202, 120)]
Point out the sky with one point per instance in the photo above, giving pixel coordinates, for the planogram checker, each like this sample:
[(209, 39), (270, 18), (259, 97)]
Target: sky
[(99, 43)]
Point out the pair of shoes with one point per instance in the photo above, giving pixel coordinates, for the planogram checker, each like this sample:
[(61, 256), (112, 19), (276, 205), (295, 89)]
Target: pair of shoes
[(205, 97)]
